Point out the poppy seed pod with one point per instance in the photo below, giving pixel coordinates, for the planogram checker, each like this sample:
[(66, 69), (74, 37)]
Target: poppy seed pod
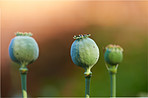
[(113, 54), (23, 49), (84, 51)]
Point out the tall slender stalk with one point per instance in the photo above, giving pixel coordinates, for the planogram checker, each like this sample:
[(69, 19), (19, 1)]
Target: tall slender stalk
[(23, 50), (87, 86), (24, 83), (113, 56), (23, 71), (113, 85), (88, 75)]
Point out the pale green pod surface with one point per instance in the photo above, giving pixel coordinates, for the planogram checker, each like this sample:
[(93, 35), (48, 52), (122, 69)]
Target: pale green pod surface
[(23, 49), (84, 52), (113, 54)]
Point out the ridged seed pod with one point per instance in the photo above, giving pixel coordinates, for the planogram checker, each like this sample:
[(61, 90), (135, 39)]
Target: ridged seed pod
[(23, 49), (84, 51)]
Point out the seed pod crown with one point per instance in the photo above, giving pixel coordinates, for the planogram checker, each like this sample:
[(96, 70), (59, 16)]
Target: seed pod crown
[(81, 36), (24, 34), (116, 47)]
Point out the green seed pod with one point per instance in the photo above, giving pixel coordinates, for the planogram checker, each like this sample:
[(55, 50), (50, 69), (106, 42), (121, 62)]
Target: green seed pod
[(84, 52), (23, 49), (113, 54)]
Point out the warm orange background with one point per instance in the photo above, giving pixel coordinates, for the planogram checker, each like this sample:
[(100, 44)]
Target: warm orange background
[(53, 24)]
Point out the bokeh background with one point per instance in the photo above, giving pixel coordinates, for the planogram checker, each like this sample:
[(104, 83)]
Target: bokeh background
[(53, 24)]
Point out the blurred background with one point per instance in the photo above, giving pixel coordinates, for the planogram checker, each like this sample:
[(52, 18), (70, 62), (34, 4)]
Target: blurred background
[(53, 24)]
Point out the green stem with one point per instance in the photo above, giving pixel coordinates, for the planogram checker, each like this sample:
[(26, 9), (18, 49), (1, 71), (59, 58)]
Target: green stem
[(24, 83), (23, 72), (88, 75), (113, 70), (87, 86), (113, 85)]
